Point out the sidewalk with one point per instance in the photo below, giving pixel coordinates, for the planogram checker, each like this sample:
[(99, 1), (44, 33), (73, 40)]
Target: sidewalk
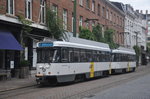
[(16, 83)]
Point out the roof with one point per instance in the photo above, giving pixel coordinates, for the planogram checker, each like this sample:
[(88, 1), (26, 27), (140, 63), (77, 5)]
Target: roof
[(124, 51), (119, 5), (87, 42), (77, 45)]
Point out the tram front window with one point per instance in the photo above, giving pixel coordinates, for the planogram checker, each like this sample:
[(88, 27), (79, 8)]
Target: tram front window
[(46, 55)]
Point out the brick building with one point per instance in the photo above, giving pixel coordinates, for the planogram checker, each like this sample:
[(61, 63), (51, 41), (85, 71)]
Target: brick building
[(103, 11)]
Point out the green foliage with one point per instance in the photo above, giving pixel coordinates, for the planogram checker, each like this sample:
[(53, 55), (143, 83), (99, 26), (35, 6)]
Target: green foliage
[(137, 50), (109, 35), (148, 47), (96, 35), (97, 32), (24, 63), (54, 24), (26, 29), (25, 24), (109, 38), (86, 34)]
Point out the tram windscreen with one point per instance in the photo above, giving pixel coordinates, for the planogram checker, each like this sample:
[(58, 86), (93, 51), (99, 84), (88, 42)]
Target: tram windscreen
[(47, 55)]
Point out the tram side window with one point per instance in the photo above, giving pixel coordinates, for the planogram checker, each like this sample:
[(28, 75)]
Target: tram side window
[(83, 56), (98, 56), (95, 56), (107, 57), (71, 55), (76, 57), (89, 56), (103, 56), (56, 56), (64, 55)]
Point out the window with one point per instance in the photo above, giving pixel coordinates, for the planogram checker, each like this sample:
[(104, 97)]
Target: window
[(87, 25), (72, 22), (103, 11), (81, 21), (83, 56), (64, 55), (81, 2), (55, 9), (88, 4), (10, 7), (71, 55), (114, 18), (107, 14), (76, 57), (98, 9), (111, 16), (93, 5), (65, 19), (42, 11), (117, 20), (28, 8), (93, 23), (48, 55)]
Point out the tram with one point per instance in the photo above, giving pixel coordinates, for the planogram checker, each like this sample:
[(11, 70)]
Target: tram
[(77, 60), (123, 60)]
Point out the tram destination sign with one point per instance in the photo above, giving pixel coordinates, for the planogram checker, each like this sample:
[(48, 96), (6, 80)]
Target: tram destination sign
[(45, 44)]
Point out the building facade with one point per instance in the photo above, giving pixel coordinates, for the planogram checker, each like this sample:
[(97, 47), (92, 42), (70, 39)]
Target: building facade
[(89, 13)]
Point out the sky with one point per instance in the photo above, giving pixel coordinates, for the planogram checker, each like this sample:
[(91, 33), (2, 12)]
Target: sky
[(137, 4)]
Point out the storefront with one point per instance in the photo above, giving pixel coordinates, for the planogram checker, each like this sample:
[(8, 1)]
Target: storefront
[(9, 51)]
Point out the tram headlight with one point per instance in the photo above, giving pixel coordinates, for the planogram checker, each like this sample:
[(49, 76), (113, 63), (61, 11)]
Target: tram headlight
[(47, 67), (40, 67)]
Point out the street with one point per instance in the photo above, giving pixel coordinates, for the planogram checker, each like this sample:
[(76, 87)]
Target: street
[(136, 89), (123, 84)]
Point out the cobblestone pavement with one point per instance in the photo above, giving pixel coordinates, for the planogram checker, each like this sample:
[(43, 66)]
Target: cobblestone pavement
[(79, 90), (136, 89), (16, 83)]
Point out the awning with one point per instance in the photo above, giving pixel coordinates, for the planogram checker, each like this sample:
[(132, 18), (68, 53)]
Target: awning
[(8, 42)]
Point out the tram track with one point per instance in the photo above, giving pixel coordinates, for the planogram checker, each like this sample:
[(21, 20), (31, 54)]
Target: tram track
[(75, 93)]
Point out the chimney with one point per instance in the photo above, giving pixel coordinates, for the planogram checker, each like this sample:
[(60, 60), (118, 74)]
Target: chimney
[(137, 11), (146, 11), (141, 12)]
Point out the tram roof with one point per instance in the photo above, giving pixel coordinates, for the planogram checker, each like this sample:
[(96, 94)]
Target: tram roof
[(124, 51), (77, 45), (87, 42)]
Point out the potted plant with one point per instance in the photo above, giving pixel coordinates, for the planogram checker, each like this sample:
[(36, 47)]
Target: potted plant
[(24, 68)]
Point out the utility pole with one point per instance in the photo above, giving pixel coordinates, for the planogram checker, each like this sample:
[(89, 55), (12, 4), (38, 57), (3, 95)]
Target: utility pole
[(74, 18)]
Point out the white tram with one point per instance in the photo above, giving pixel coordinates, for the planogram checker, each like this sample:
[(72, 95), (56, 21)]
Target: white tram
[(123, 60), (61, 61), (76, 60)]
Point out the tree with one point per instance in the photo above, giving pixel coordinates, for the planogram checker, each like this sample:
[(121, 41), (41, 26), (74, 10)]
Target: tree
[(86, 34), (26, 29), (137, 51), (54, 24), (97, 32), (109, 38)]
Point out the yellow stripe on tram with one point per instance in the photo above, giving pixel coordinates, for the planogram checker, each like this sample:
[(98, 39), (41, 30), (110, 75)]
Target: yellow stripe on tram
[(110, 71), (91, 69), (128, 66)]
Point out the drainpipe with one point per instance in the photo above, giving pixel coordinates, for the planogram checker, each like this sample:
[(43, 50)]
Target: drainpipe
[(74, 18)]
